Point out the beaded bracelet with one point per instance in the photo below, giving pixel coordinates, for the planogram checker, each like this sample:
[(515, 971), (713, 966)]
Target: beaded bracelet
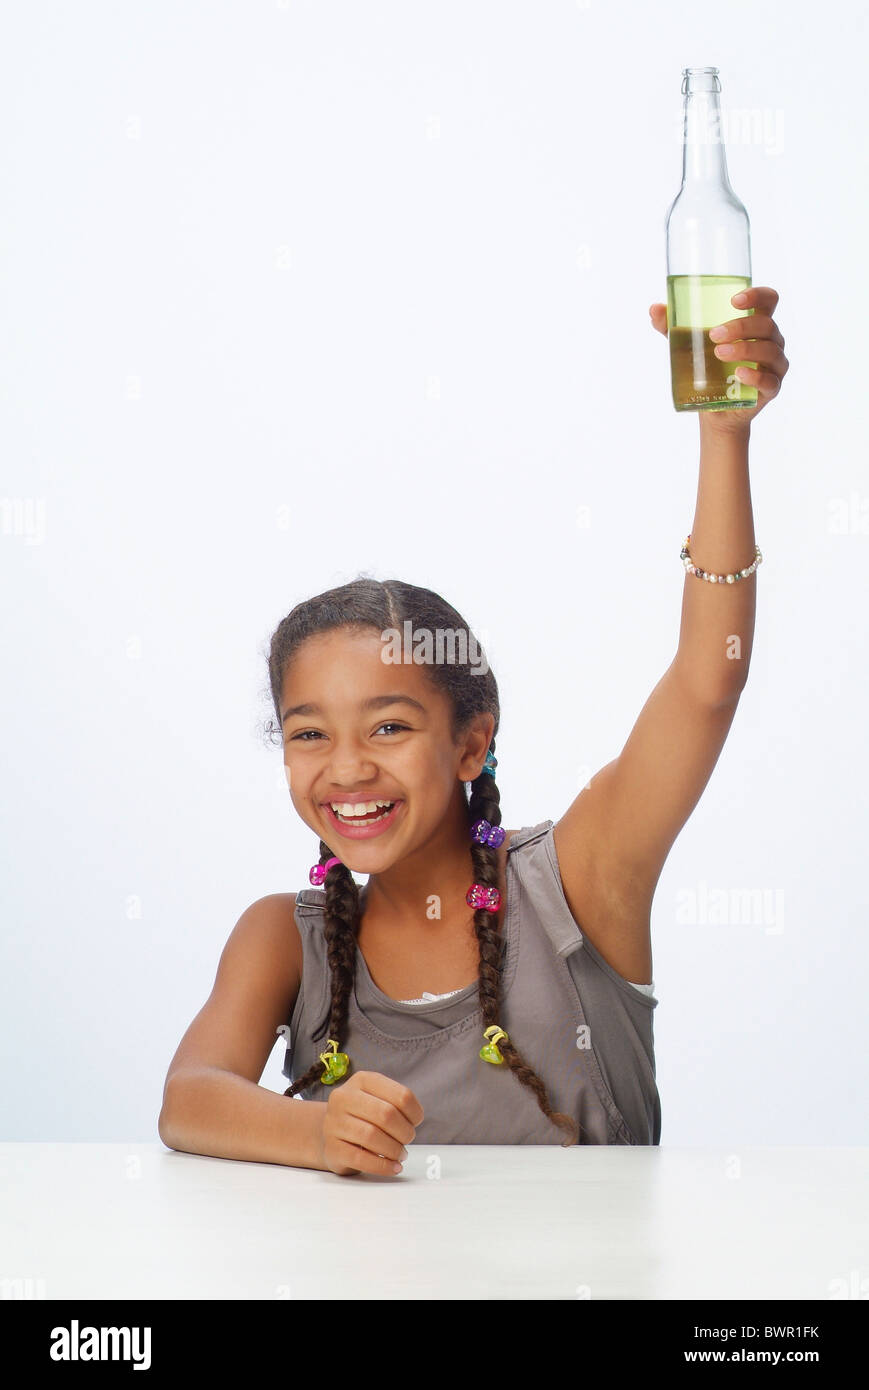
[(691, 568)]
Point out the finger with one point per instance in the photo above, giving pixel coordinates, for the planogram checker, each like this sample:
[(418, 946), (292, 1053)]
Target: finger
[(767, 383), (757, 326), (385, 1116), (374, 1083), (658, 315), (763, 353), (380, 1114), (366, 1135), (361, 1161), (757, 297)]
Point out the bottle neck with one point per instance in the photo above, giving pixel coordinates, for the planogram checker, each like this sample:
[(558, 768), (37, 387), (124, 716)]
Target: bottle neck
[(703, 158)]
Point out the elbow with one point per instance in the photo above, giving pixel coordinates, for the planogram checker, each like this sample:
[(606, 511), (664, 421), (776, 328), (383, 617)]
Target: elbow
[(714, 690), (729, 688), (729, 696), (722, 697), (164, 1129), (166, 1119), (736, 687)]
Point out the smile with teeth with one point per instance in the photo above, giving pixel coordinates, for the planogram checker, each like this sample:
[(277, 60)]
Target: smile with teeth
[(361, 812)]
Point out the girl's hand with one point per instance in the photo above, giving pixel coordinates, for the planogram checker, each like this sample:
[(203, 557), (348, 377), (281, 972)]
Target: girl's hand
[(367, 1121), (763, 347)]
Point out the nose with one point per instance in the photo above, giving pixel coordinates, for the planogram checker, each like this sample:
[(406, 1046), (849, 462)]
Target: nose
[(349, 766)]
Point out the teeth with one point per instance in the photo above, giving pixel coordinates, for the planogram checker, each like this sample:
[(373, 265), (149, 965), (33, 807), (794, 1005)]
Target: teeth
[(346, 809)]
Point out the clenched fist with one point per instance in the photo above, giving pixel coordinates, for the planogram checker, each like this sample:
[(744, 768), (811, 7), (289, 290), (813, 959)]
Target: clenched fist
[(367, 1122)]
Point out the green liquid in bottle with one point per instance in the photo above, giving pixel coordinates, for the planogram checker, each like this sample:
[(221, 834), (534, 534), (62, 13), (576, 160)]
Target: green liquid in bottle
[(702, 381)]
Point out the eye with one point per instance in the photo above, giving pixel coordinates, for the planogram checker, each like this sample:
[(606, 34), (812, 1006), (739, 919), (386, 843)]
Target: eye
[(308, 735)]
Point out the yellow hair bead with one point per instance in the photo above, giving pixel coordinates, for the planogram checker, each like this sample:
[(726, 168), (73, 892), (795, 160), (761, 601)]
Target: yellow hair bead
[(337, 1064), (490, 1051)]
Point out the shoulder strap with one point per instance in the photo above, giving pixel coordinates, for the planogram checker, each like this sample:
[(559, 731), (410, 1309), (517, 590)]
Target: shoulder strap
[(528, 834), (311, 899), (539, 872)]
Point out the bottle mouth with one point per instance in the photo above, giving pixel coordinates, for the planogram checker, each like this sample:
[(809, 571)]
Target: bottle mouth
[(700, 80)]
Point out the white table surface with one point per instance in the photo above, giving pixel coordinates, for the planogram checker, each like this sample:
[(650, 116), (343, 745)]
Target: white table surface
[(140, 1221)]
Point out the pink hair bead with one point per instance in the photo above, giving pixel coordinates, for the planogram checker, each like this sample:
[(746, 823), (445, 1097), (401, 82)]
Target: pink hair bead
[(319, 871), (478, 895)]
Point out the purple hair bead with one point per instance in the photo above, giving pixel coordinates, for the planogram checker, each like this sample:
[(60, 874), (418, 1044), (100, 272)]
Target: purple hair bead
[(486, 834)]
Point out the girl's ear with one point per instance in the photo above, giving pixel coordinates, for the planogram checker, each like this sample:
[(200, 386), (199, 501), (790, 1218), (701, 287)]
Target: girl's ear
[(475, 745)]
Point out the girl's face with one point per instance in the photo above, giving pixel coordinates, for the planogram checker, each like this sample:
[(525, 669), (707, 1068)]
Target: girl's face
[(358, 729)]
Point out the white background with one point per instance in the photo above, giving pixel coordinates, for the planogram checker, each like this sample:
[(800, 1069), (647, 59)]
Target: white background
[(296, 291)]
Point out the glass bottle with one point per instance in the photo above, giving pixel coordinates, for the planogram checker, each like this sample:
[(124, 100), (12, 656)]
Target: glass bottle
[(708, 257)]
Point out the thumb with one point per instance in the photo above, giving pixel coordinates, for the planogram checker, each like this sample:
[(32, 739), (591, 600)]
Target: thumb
[(658, 316)]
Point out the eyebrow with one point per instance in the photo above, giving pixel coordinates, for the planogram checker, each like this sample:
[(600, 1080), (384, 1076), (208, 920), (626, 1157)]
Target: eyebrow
[(376, 702)]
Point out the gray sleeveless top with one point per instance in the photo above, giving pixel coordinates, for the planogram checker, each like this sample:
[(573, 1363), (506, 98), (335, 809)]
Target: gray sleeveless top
[(585, 1030)]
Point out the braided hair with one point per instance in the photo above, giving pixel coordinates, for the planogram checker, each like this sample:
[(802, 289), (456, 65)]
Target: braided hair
[(387, 604)]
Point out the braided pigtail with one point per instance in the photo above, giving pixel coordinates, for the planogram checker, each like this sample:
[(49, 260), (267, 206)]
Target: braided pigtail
[(389, 608), (485, 803), (341, 928)]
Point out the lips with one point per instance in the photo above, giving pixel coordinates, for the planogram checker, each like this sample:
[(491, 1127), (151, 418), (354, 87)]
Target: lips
[(362, 831)]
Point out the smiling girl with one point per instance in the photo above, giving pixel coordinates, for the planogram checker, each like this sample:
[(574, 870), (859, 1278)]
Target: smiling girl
[(482, 986)]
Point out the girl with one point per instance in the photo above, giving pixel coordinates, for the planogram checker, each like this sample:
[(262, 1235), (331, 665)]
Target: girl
[(482, 986)]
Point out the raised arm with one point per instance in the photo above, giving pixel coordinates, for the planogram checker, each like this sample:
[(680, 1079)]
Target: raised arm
[(614, 839)]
